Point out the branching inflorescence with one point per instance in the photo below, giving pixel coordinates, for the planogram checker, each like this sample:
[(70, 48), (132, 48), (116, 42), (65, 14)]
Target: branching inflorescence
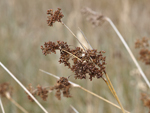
[(95, 18), (40, 91), (90, 62), (144, 52), (85, 62), (81, 61), (53, 17), (62, 85)]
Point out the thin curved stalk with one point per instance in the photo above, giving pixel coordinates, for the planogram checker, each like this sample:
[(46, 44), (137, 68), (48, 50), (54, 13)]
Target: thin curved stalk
[(129, 51)]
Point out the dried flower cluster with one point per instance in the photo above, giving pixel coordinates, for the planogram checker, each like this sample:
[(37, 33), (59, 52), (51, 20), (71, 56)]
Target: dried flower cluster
[(143, 45), (146, 100), (5, 88), (53, 17), (62, 85), (84, 62), (95, 18), (42, 92)]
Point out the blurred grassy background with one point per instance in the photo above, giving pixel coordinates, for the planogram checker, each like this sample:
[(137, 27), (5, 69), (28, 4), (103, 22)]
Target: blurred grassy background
[(23, 29)]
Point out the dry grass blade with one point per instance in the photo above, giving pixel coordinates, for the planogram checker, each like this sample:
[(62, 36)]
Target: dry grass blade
[(1, 104), (74, 109), (108, 86), (129, 51), (76, 85), (85, 38), (16, 104), (102, 98), (23, 87), (114, 93)]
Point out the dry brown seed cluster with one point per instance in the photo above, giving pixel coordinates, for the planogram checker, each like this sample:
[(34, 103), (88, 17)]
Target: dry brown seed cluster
[(62, 85), (5, 88), (42, 92), (95, 18), (53, 17), (146, 100), (90, 62), (143, 45)]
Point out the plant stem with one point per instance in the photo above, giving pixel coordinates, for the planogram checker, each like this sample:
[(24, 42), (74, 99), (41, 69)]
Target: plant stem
[(24, 88), (14, 102), (85, 38), (74, 36), (71, 54), (3, 111), (114, 93), (108, 86), (74, 109), (129, 51), (102, 98)]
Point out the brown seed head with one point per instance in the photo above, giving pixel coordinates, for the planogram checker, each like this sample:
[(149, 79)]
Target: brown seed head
[(5, 88), (95, 18), (40, 91), (90, 63), (144, 52), (146, 100), (62, 85), (53, 17)]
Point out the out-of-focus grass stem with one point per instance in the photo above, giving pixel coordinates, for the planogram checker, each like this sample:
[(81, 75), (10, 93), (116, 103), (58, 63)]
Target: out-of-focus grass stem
[(1, 104), (24, 88), (129, 50)]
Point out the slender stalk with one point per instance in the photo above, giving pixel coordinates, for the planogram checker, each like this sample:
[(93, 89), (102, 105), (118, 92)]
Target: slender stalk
[(1, 104), (102, 98), (74, 109), (78, 86), (129, 51), (71, 54), (85, 38), (24, 88), (14, 102), (74, 36), (114, 93), (108, 86)]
